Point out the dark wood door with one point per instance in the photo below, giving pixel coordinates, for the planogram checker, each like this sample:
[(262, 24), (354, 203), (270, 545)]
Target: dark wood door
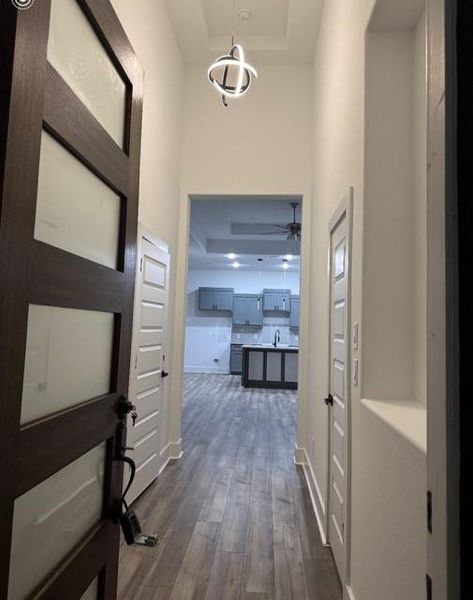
[(70, 127)]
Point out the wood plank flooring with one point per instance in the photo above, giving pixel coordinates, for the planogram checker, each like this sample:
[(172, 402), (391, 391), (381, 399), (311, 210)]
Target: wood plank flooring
[(234, 516)]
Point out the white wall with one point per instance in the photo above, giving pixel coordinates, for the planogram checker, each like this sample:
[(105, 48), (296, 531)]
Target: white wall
[(260, 144), (151, 34), (209, 333), (388, 442)]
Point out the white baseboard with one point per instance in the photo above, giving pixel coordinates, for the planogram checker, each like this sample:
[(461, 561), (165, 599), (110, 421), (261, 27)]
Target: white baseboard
[(299, 455), (221, 370), (349, 595), (301, 458), (172, 451)]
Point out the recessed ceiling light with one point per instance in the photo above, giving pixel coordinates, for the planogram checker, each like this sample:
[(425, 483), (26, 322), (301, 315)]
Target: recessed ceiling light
[(235, 265), (289, 257), (231, 256), (285, 265)]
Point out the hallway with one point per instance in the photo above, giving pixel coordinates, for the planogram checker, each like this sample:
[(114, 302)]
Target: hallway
[(234, 515)]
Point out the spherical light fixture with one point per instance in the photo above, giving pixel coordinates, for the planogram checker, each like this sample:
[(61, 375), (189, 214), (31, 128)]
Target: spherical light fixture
[(231, 67)]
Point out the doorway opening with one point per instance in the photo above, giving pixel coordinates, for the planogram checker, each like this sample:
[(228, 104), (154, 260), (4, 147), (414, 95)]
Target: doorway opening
[(243, 290)]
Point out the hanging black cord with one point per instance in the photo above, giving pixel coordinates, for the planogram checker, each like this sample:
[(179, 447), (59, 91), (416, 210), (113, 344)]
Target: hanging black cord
[(131, 463)]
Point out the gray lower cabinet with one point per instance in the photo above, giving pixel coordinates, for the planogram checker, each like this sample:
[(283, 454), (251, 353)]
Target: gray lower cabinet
[(236, 359), (216, 299), (248, 310), (277, 300), (295, 311)]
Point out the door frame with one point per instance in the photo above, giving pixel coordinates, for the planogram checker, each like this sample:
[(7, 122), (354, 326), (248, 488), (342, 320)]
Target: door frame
[(38, 98), (181, 303), (455, 18), (345, 207)]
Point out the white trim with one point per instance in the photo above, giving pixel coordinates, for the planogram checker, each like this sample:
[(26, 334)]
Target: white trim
[(299, 455), (172, 451), (318, 506), (348, 593)]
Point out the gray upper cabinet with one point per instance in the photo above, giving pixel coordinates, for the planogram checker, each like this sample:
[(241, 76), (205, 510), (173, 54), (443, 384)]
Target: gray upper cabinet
[(216, 299), (294, 317), (248, 310), (277, 300)]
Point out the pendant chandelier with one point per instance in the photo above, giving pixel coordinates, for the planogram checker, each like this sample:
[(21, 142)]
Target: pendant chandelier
[(230, 75)]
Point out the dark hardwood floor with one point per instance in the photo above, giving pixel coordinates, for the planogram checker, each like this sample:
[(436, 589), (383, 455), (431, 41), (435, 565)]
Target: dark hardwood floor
[(234, 515)]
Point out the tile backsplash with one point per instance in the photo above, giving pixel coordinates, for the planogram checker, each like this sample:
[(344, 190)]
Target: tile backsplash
[(265, 335)]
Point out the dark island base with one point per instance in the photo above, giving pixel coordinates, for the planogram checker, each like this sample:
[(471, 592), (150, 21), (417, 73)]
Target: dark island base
[(264, 383)]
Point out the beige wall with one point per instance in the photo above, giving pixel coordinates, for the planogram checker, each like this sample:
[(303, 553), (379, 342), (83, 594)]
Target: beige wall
[(149, 29), (388, 438)]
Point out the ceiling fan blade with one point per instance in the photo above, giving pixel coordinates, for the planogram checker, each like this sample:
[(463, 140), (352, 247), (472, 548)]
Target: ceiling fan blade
[(252, 228), (282, 232)]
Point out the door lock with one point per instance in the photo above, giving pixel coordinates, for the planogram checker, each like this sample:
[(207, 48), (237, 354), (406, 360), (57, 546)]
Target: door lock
[(329, 400), (125, 407)]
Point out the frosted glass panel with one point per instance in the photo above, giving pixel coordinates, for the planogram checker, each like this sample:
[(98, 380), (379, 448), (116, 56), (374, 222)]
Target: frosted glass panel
[(68, 359), (52, 518), (91, 592), (76, 53), (75, 211)]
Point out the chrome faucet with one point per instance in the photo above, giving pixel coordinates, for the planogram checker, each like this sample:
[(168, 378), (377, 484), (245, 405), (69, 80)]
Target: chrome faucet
[(277, 338)]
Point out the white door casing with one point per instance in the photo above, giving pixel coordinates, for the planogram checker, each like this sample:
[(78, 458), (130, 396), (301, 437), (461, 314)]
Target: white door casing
[(148, 361), (339, 385)]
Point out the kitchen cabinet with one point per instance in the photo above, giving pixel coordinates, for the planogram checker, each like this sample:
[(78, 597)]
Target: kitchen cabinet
[(277, 300), (236, 359), (295, 311), (248, 310), (216, 299)]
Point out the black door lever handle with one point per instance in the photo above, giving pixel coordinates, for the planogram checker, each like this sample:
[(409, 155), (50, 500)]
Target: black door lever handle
[(164, 374), (329, 400)]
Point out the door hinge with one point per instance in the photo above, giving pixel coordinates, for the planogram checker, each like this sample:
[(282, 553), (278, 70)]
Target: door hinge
[(429, 511), (428, 587)]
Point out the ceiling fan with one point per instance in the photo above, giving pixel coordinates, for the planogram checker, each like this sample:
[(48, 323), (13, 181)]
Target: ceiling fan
[(291, 230)]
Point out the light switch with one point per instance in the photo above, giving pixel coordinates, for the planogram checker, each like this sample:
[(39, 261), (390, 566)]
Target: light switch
[(355, 336), (355, 372)]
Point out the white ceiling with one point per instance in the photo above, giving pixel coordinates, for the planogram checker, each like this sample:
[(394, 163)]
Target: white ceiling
[(279, 32), (211, 239)]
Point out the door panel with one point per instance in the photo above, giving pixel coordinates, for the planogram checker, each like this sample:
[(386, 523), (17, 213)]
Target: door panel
[(339, 386), (66, 299), (77, 54), (60, 370), (239, 310), (51, 518), (147, 384), (75, 210), (223, 300)]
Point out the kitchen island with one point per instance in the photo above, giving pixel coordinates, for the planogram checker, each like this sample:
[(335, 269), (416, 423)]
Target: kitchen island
[(269, 366)]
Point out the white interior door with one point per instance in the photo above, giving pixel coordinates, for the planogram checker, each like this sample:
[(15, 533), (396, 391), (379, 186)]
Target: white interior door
[(147, 372), (339, 392)]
